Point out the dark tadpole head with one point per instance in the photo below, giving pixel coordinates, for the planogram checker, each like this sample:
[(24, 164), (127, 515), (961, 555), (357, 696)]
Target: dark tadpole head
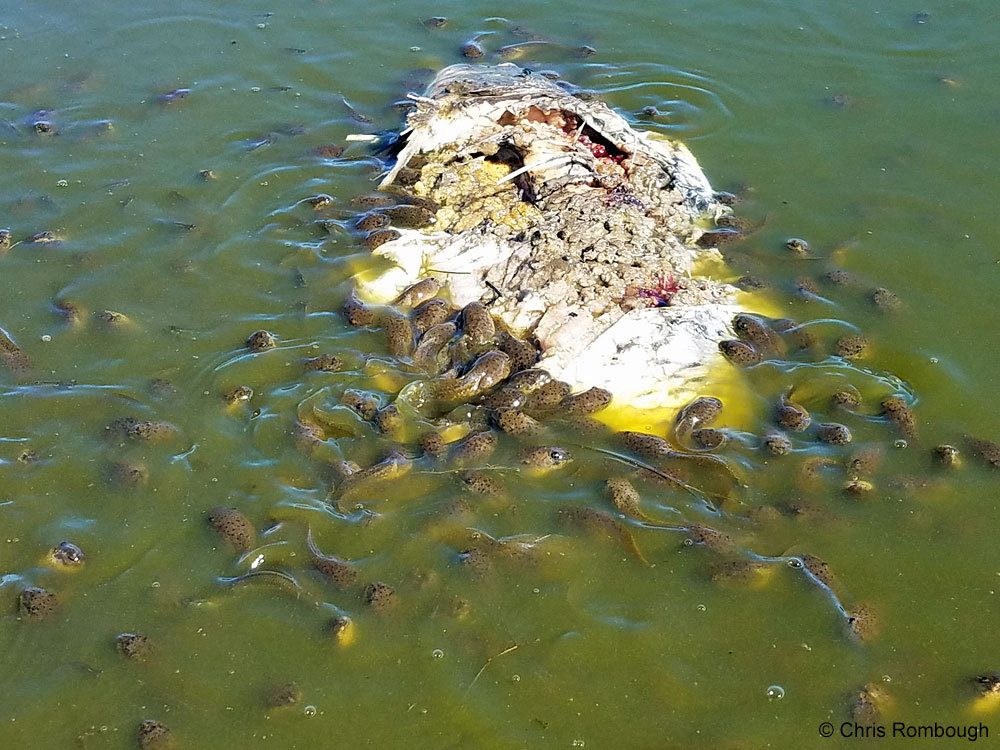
[(68, 554)]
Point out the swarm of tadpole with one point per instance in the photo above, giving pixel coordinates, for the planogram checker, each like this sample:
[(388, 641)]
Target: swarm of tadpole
[(467, 368), (464, 368)]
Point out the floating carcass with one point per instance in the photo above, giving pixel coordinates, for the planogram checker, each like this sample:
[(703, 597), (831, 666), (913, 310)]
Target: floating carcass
[(573, 227)]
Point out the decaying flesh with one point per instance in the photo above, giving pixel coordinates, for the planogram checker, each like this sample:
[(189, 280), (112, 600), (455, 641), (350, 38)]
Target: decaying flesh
[(561, 217)]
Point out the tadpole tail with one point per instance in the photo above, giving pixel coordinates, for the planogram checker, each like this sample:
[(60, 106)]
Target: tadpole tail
[(637, 464), (282, 578), (793, 558), (708, 458), (630, 544), (311, 544)]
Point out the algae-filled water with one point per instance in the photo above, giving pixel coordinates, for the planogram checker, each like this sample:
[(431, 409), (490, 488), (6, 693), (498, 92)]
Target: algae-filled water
[(866, 129)]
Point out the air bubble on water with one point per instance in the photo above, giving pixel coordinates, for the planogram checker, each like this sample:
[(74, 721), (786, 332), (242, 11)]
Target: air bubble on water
[(900, 443), (578, 743), (886, 678), (257, 562), (437, 653), (46, 338), (309, 710), (155, 584), (515, 678), (702, 608), (776, 692)]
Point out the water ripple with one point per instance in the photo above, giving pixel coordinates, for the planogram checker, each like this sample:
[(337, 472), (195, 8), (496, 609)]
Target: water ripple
[(677, 102)]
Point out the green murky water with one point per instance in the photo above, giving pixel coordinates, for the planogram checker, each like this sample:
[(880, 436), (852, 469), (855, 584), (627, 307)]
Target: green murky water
[(866, 130)]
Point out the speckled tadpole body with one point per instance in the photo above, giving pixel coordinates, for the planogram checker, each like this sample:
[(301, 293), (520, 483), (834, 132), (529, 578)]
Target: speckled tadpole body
[(600, 522)]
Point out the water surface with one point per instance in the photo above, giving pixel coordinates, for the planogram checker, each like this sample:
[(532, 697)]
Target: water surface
[(866, 130)]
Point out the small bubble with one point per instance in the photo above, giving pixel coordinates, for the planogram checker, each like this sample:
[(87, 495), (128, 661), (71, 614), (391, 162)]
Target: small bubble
[(309, 710), (900, 443), (62, 183), (255, 89), (46, 338), (437, 653), (262, 26), (702, 608), (414, 49), (537, 590), (155, 584), (578, 743), (886, 678), (934, 360), (776, 692), (515, 678)]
